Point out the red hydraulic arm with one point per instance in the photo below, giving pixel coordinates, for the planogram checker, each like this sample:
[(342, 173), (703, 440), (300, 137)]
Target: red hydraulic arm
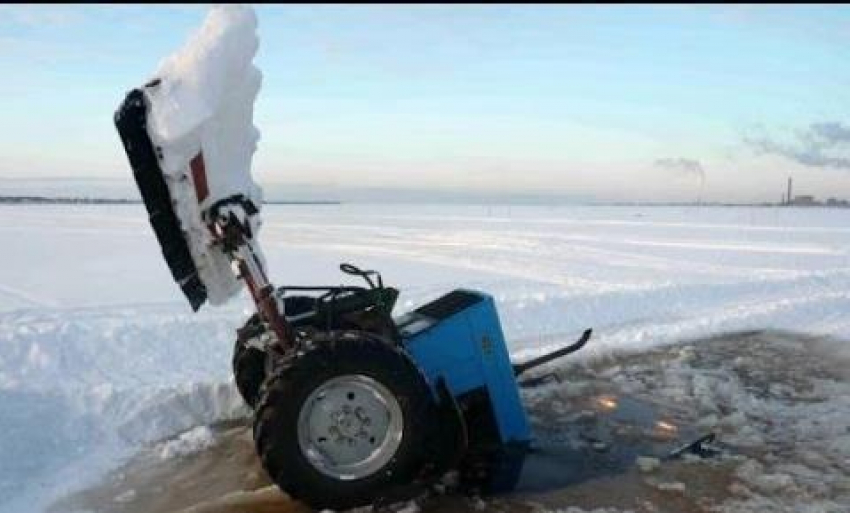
[(235, 238), (242, 253)]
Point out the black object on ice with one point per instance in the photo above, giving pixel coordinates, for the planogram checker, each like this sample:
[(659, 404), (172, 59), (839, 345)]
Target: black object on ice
[(701, 447), (131, 122)]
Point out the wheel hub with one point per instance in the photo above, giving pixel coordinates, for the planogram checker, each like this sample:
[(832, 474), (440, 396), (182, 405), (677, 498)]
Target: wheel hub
[(351, 423), (350, 427)]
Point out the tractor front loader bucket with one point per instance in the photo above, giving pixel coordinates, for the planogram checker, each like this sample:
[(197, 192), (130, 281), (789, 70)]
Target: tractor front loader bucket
[(131, 122)]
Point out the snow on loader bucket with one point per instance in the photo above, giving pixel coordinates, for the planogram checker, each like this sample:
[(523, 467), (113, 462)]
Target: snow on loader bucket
[(351, 405)]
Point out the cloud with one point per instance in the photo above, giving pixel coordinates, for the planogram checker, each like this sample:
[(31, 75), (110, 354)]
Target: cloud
[(683, 165), (824, 145), (831, 132)]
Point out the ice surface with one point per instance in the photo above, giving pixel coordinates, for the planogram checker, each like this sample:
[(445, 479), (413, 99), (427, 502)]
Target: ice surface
[(99, 353), (204, 101)]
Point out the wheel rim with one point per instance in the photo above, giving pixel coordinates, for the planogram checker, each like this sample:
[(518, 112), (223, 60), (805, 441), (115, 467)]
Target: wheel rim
[(350, 427)]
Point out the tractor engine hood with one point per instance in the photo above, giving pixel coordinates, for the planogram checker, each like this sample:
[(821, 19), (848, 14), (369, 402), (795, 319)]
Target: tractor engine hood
[(190, 139)]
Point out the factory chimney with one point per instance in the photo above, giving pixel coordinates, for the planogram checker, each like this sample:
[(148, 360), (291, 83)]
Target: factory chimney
[(788, 197)]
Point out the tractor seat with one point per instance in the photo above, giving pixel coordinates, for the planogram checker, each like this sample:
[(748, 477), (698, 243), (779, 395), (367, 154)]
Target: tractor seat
[(326, 311)]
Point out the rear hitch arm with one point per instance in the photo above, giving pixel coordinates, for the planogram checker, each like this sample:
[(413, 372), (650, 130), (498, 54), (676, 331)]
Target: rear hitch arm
[(520, 368)]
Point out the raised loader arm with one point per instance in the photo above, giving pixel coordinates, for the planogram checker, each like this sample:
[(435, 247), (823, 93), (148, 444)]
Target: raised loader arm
[(229, 223)]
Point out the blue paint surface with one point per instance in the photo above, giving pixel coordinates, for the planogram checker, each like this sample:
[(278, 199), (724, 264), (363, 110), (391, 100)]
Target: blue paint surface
[(467, 349)]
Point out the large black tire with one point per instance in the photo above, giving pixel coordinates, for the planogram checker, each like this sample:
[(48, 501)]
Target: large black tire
[(287, 390), (249, 363)]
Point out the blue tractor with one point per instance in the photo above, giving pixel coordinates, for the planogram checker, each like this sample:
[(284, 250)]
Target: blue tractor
[(368, 406), (351, 404)]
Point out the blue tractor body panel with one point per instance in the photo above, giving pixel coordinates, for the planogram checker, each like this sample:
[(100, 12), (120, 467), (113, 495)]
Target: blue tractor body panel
[(458, 338)]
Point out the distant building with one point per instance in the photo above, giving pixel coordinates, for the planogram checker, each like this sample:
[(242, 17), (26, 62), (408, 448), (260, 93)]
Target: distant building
[(804, 200), (808, 200)]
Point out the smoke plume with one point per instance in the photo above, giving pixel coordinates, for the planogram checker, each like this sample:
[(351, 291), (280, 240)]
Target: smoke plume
[(822, 145), (683, 165)]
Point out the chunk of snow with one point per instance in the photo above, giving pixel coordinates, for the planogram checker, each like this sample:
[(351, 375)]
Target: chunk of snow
[(676, 486), (125, 497), (408, 507), (647, 464), (187, 443)]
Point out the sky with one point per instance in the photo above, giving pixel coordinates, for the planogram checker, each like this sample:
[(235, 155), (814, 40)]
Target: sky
[(598, 103)]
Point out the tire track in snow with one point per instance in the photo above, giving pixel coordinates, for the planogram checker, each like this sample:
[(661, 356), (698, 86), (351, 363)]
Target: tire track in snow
[(23, 296)]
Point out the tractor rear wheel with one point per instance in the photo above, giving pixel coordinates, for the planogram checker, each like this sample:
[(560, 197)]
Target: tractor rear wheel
[(345, 422), (249, 363)]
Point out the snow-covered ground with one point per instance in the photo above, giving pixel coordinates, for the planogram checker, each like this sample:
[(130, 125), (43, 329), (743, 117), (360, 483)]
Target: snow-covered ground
[(100, 353)]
